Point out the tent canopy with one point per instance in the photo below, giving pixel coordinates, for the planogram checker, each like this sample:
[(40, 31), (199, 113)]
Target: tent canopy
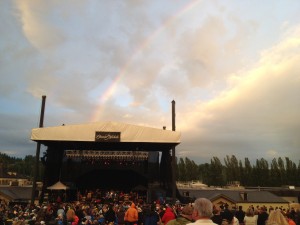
[(58, 186), (106, 135)]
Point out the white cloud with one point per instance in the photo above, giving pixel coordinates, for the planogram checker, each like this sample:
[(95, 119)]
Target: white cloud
[(231, 68), (258, 112)]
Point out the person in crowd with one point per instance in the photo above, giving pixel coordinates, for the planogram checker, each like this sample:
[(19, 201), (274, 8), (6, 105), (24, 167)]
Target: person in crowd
[(72, 218), (2, 220), (120, 213), (41, 214), (87, 216), (297, 216), (131, 215), (262, 216), (240, 214), (79, 212), (276, 218), (60, 219), (19, 222), (109, 214), (235, 221), (184, 217), (289, 217), (250, 218), (168, 215), (61, 211), (140, 215), (228, 216), (151, 216), (292, 213), (217, 218), (202, 213), (49, 215), (160, 210)]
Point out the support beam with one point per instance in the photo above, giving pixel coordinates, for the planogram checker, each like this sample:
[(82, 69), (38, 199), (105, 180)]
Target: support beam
[(173, 156), (37, 155)]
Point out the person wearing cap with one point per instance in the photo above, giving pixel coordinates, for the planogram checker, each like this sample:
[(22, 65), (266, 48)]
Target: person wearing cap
[(202, 213), (184, 217)]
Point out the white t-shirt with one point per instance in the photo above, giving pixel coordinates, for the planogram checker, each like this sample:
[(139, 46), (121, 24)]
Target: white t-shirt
[(250, 220)]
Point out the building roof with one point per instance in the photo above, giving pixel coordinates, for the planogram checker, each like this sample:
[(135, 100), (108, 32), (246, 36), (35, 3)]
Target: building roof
[(237, 196), (15, 193)]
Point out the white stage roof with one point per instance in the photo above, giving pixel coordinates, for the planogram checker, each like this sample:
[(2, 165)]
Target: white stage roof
[(105, 132)]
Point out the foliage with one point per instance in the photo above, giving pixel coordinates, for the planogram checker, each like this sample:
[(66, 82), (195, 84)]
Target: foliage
[(23, 167), (280, 172)]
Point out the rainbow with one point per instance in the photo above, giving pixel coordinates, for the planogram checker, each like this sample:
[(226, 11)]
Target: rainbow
[(111, 89)]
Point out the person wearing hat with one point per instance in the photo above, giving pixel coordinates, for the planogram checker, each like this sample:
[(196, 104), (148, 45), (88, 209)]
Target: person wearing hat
[(184, 217)]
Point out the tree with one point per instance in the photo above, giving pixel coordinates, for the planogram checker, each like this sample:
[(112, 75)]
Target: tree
[(247, 179), (181, 170), (232, 168), (204, 170), (216, 172), (242, 173), (282, 171), (298, 174), (274, 174), (291, 172), (192, 169), (261, 172)]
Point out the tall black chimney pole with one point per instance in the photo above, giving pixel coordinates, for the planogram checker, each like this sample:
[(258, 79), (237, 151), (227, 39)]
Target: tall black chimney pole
[(38, 149), (173, 156)]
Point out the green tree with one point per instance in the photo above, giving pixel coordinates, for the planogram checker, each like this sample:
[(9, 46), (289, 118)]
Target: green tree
[(216, 172), (291, 172), (261, 172), (192, 169), (298, 174), (232, 168), (274, 174), (248, 179), (181, 170), (204, 170), (242, 173), (282, 171)]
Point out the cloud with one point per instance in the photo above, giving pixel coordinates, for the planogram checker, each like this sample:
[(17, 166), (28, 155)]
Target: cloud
[(258, 112), (231, 68)]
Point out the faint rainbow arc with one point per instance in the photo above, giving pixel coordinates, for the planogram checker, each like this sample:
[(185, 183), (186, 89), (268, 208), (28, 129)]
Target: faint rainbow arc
[(110, 90)]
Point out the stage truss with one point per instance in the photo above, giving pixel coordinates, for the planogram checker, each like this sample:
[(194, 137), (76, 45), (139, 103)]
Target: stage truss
[(107, 155)]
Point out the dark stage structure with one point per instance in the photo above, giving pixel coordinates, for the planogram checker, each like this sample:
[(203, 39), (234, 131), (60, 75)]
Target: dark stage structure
[(110, 155)]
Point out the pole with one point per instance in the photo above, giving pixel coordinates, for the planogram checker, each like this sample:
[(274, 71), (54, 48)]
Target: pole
[(38, 149), (173, 156)]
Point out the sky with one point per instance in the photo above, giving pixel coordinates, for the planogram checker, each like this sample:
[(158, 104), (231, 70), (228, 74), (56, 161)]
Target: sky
[(232, 68)]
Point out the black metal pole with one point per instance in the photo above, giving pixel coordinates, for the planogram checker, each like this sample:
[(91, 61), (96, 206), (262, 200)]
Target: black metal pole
[(173, 156), (38, 149)]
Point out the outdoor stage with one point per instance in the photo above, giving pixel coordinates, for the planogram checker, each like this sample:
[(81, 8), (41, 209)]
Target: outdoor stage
[(109, 155)]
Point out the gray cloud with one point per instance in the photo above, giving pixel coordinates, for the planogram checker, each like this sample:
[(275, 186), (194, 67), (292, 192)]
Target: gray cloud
[(233, 73)]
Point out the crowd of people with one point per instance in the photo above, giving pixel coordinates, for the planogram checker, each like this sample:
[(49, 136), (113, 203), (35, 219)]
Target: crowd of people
[(134, 211), (256, 216)]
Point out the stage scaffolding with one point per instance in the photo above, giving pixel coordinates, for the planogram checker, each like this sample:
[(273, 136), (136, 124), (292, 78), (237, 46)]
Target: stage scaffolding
[(107, 155)]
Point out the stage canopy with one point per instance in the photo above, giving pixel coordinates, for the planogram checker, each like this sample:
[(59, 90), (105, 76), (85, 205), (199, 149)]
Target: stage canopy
[(106, 136), (58, 186)]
